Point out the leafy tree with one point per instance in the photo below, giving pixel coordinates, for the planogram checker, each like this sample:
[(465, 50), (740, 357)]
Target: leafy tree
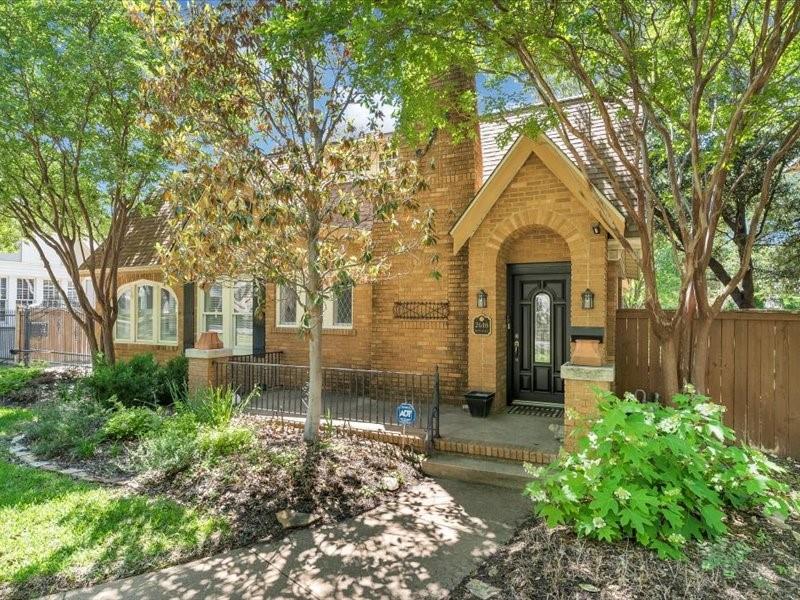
[(653, 71), (9, 235), (775, 261), (278, 182), (75, 162)]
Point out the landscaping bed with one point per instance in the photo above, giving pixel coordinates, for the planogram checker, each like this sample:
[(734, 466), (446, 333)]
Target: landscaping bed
[(200, 476), (23, 386), (656, 502), (757, 560)]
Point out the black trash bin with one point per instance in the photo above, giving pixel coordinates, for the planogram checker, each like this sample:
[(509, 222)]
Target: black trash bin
[(480, 403)]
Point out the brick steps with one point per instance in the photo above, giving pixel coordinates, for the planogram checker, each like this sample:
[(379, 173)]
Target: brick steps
[(509, 452), (498, 473)]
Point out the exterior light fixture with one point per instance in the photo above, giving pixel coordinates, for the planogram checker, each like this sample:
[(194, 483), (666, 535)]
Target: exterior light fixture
[(596, 228), (587, 299), (483, 299)]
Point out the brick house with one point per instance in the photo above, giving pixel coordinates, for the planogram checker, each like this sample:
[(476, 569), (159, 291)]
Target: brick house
[(524, 236)]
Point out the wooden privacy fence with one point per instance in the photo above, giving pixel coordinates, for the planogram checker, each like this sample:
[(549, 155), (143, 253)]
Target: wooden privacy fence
[(753, 370)]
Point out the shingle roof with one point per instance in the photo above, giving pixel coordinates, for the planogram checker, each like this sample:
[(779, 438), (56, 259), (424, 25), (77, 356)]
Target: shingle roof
[(583, 117), (144, 232)]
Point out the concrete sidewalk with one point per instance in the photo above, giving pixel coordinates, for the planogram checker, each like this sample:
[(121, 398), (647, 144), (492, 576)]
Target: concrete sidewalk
[(419, 546)]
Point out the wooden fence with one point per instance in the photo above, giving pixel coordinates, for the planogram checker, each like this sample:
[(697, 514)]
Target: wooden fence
[(52, 335), (753, 370)]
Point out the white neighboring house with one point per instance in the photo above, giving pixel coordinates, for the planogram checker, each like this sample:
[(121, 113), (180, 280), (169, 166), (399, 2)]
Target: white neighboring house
[(24, 280)]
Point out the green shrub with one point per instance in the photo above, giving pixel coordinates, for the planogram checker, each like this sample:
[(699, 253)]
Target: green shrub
[(661, 475), (175, 373), (170, 448), (213, 406), (215, 443), (130, 423), (139, 381), (15, 378), (68, 426)]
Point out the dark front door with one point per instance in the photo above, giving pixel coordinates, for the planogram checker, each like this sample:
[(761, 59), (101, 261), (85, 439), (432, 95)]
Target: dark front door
[(539, 305)]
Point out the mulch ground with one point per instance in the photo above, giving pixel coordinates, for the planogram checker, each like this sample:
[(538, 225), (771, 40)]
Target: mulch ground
[(759, 559), (336, 479)]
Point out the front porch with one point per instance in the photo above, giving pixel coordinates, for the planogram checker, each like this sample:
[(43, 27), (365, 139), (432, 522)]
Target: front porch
[(508, 433), (366, 401)]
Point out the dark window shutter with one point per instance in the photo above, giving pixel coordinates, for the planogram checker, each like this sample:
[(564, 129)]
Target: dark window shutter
[(189, 304), (259, 325)]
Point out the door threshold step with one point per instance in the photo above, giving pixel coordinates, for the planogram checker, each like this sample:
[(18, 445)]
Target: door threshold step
[(498, 473)]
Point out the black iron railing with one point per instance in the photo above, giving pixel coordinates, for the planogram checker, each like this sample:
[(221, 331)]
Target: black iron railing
[(268, 358), (348, 395)]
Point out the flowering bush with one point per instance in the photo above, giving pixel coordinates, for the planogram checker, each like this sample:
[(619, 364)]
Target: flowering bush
[(661, 475)]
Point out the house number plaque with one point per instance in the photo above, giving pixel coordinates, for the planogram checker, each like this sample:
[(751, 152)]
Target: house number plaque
[(482, 325)]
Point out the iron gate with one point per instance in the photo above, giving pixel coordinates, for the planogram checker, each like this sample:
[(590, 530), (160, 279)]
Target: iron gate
[(8, 336)]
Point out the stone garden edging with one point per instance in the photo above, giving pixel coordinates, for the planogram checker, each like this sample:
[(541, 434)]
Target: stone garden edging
[(22, 453)]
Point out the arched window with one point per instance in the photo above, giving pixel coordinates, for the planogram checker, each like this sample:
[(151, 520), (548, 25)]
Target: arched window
[(147, 313)]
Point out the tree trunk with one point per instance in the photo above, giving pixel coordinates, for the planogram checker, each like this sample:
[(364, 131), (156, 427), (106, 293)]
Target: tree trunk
[(314, 413), (669, 365), (748, 289), (700, 331), (107, 340), (744, 294), (94, 348)]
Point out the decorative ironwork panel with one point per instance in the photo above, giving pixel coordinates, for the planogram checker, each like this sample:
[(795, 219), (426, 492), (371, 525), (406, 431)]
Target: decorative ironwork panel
[(421, 310)]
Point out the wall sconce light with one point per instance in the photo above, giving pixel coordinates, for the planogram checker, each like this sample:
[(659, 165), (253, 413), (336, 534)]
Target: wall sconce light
[(587, 299), (483, 299), (596, 228)]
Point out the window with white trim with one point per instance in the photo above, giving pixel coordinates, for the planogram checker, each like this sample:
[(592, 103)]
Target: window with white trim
[(147, 313), (337, 311), (51, 297), (243, 314), (72, 294), (212, 309), (227, 308), (3, 295), (26, 291)]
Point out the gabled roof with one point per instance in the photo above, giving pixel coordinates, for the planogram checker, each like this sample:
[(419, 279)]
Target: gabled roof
[(585, 118), (139, 248), (502, 161)]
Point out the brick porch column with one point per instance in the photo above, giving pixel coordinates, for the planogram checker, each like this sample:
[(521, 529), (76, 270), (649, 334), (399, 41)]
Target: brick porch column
[(580, 400), (203, 366)]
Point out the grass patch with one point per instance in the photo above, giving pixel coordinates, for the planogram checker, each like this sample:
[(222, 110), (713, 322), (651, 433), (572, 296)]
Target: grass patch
[(11, 419), (56, 533)]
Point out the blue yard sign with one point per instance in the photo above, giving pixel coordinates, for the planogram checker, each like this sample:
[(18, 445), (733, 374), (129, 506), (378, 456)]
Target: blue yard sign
[(406, 414)]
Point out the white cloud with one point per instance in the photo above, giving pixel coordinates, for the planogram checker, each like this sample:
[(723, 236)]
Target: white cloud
[(359, 115)]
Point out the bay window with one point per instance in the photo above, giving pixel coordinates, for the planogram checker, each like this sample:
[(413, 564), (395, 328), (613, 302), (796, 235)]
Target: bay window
[(147, 313)]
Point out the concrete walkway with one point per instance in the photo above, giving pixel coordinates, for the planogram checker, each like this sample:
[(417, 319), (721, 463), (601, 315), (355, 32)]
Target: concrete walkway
[(419, 546)]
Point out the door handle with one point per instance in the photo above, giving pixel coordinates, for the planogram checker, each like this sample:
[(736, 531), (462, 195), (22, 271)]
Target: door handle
[(516, 347)]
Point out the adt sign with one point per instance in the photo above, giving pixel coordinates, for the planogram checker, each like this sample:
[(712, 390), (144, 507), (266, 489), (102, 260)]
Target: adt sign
[(406, 414)]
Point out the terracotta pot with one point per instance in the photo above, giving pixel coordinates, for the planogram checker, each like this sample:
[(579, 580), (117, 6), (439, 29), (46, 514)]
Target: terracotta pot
[(588, 353), (209, 340)]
